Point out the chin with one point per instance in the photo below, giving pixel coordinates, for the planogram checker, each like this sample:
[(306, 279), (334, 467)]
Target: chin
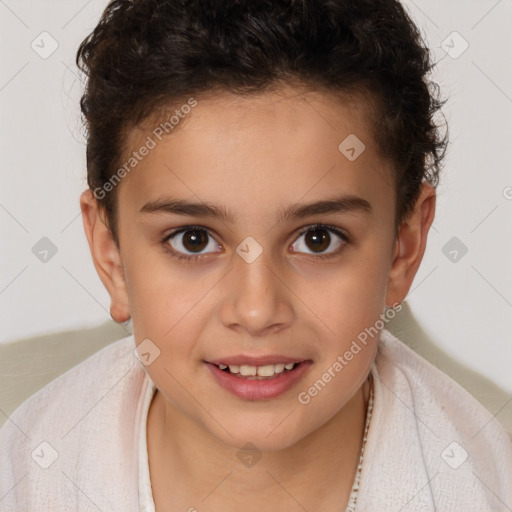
[(258, 438)]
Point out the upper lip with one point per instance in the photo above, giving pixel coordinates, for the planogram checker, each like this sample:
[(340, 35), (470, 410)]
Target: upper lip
[(255, 360)]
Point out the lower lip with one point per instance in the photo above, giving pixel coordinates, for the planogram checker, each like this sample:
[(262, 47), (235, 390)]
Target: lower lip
[(254, 389)]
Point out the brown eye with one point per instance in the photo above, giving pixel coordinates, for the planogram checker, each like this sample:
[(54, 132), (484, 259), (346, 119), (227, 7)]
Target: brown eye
[(318, 239), (191, 241), (194, 240)]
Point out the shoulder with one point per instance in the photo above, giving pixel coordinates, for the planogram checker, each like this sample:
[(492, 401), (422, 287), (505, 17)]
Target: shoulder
[(452, 433), (97, 372), (408, 371), (57, 435), (431, 389)]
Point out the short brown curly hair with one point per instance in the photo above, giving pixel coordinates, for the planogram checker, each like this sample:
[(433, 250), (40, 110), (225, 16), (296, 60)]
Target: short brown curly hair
[(145, 55)]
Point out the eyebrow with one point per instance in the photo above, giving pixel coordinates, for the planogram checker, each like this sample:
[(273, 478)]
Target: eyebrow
[(337, 204)]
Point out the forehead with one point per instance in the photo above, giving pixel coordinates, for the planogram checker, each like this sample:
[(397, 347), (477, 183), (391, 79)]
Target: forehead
[(254, 153)]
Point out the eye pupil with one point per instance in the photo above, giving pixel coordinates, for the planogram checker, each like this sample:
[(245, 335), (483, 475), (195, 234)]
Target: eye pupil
[(194, 240), (320, 241)]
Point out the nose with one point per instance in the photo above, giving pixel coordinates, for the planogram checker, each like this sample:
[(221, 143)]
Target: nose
[(258, 299)]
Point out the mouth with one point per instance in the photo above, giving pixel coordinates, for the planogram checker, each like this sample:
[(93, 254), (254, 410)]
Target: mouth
[(258, 381), (263, 372)]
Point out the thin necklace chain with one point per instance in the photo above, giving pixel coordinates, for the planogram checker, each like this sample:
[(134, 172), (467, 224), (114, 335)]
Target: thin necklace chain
[(351, 507)]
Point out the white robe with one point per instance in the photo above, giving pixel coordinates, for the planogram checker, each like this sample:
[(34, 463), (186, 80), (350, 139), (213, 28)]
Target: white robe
[(79, 443)]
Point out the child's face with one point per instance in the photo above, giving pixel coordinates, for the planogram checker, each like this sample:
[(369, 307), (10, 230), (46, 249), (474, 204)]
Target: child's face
[(254, 158)]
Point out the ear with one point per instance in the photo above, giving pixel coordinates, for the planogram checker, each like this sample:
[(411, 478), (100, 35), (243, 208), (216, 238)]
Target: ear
[(410, 245), (105, 255)]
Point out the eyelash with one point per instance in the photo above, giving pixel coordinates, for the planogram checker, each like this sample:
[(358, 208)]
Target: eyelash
[(193, 259)]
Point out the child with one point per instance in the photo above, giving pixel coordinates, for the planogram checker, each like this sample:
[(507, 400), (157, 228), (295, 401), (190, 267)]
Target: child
[(261, 186)]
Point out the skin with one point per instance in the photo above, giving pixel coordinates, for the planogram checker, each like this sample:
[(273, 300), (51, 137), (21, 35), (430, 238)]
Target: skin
[(253, 156)]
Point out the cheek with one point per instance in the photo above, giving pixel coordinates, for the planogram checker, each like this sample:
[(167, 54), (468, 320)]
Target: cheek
[(161, 293), (351, 304), (350, 296)]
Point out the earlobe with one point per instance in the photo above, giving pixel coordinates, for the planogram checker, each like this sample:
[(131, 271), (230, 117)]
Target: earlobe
[(410, 245), (105, 255)]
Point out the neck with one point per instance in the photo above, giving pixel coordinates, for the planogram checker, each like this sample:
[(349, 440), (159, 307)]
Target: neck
[(187, 462)]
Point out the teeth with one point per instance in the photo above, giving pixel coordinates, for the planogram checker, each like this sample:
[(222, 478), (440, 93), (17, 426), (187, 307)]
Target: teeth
[(279, 368), (268, 370), (247, 371)]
